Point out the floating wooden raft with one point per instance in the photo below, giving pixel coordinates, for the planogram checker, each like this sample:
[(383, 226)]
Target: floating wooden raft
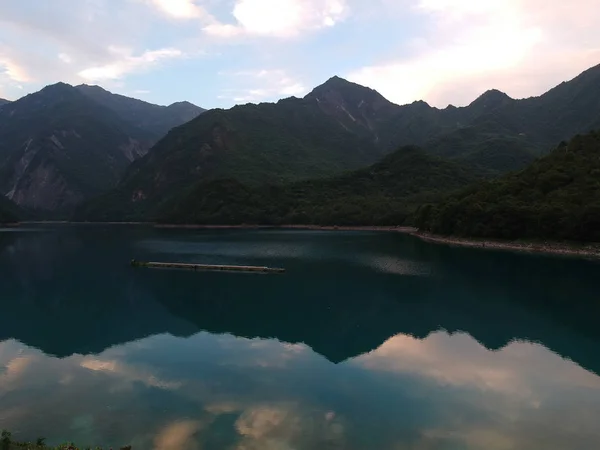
[(162, 265)]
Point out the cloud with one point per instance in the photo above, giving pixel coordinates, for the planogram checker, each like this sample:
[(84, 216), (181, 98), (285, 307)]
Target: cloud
[(469, 44), (178, 9), (460, 361), (13, 71), (65, 58), (284, 426), (124, 63), (262, 85), (280, 18), (127, 373), (178, 435)]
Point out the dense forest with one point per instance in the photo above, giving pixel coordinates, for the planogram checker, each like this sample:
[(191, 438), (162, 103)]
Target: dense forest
[(384, 194), (557, 197), (342, 126)]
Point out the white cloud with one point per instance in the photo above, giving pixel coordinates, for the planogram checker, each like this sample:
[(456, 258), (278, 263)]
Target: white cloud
[(281, 18), (13, 71), (127, 373), (443, 359), (262, 85), (284, 426), (124, 63), (65, 58), (178, 9), (469, 44)]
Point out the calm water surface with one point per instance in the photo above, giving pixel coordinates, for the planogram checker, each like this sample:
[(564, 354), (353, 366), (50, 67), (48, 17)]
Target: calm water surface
[(369, 341)]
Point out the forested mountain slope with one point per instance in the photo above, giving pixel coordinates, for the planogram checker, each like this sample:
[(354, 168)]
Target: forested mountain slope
[(557, 197), (385, 193), (155, 119), (58, 147), (62, 145)]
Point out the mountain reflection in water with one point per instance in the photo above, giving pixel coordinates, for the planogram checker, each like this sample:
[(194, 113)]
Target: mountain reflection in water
[(371, 340)]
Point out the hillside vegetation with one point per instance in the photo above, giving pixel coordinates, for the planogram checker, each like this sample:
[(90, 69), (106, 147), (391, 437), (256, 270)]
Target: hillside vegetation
[(342, 126), (557, 197), (383, 194)]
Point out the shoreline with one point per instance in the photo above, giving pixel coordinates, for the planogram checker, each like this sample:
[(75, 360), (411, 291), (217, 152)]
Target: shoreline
[(404, 230), (583, 250), (580, 250)]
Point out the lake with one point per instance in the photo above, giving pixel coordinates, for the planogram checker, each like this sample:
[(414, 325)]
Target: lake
[(370, 340)]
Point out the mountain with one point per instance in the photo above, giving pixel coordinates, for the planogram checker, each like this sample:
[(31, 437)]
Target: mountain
[(63, 145), (343, 126), (58, 147), (356, 108), (3, 102), (385, 193), (486, 103), (267, 143), (557, 197), (154, 119), (511, 133), (339, 126)]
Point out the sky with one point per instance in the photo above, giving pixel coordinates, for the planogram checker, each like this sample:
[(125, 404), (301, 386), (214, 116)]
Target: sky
[(218, 53)]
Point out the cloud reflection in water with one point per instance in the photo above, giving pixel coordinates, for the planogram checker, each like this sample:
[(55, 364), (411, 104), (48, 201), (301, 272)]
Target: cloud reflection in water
[(219, 391)]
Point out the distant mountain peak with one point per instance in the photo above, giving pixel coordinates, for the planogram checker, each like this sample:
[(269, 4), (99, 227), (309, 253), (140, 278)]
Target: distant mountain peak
[(491, 99), (185, 106), (341, 85), (493, 95), (339, 92), (57, 86), (352, 105), (49, 95), (183, 103), (91, 87)]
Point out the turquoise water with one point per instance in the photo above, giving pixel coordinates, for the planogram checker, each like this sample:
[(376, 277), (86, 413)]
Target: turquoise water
[(369, 341)]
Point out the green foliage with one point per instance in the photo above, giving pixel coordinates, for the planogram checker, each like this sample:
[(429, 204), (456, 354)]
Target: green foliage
[(488, 147), (5, 440), (383, 194), (342, 126), (6, 443), (557, 197)]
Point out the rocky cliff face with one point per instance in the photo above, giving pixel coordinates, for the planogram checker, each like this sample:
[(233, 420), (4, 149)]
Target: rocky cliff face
[(58, 148), (64, 144)]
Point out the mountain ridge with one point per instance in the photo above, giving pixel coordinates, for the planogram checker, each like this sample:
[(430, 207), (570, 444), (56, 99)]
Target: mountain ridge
[(342, 126), (557, 197), (59, 147), (155, 119)]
